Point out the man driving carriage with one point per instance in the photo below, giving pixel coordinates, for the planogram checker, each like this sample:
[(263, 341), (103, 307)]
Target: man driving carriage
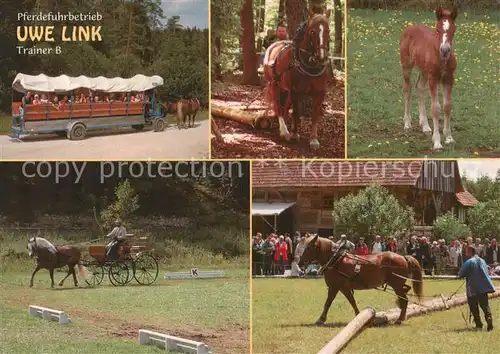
[(117, 236)]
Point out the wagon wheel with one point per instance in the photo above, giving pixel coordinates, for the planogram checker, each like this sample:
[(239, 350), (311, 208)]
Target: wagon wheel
[(130, 267), (145, 269), (118, 273), (96, 274), (159, 125)]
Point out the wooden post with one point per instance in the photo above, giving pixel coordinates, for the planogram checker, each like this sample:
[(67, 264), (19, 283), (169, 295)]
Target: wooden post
[(215, 130), (349, 332), (436, 304)]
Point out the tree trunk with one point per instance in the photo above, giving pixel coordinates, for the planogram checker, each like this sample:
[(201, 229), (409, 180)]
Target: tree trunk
[(281, 11), (217, 66), (235, 114), (250, 76), (261, 16), (294, 14), (339, 19)]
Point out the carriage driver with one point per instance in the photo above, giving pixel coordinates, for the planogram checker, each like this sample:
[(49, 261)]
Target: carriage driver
[(117, 236)]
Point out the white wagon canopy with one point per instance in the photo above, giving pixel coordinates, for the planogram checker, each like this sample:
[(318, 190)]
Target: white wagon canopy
[(63, 83)]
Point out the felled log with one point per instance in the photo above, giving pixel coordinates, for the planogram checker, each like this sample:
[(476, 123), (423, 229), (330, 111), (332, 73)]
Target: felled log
[(216, 132), (240, 116), (452, 277), (436, 304), (352, 329)]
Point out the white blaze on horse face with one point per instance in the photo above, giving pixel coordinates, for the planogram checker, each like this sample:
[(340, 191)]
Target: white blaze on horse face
[(322, 50), (446, 27), (30, 249)]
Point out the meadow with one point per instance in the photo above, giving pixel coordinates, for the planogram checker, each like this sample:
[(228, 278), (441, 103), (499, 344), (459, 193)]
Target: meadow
[(284, 312), (374, 87), (107, 318)]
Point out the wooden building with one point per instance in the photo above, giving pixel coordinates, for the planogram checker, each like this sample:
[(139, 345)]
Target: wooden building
[(300, 195)]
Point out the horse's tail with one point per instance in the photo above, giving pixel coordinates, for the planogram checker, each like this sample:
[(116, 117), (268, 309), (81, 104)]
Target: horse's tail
[(82, 270), (416, 275)]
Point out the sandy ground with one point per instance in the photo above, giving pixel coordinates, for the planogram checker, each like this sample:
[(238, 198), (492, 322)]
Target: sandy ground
[(122, 145)]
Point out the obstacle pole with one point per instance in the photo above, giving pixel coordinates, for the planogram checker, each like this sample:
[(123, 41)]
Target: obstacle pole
[(352, 329)]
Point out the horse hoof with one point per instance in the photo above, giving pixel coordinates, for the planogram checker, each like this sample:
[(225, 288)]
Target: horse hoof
[(426, 130), (31, 285), (296, 137), (449, 140), (438, 146), (286, 137), (314, 144), (60, 284), (320, 323)]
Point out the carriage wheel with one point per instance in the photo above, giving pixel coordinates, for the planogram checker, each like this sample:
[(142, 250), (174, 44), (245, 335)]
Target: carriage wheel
[(96, 274), (130, 267), (118, 273), (159, 125), (145, 269)]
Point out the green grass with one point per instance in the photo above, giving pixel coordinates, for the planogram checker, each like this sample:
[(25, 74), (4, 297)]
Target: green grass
[(284, 311), (375, 98), (108, 316), (22, 334)]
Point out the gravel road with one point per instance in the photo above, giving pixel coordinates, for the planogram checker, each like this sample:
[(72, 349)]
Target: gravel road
[(124, 145)]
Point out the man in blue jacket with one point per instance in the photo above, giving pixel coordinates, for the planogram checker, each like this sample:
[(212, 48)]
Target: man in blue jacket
[(479, 284)]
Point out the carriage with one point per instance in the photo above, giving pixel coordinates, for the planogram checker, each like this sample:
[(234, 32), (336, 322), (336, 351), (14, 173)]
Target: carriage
[(135, 261), (75, 118)]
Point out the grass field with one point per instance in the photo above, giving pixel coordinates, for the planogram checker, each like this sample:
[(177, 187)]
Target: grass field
[(107, 318), (284, 312), (374, 87)]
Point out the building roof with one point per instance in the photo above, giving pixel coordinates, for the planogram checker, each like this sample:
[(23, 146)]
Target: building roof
[(273, 174), (466, 199)]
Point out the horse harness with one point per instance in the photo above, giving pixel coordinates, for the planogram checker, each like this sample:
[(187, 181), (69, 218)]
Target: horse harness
[(296, 62)]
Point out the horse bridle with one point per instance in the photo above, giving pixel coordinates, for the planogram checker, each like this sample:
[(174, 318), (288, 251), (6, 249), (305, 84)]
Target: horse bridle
[(304, 68)]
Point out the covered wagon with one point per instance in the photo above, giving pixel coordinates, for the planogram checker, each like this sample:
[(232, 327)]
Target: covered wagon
[(70, 106)]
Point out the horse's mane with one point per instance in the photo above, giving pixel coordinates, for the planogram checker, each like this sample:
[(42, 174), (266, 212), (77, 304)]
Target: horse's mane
[(43, 243)]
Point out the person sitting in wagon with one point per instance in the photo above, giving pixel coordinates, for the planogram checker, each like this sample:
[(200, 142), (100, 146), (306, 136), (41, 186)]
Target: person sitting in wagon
[(117, 236), (27, 99)]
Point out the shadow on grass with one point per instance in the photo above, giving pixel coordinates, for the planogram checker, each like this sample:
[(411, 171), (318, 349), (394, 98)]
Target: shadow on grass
[(312, 325)]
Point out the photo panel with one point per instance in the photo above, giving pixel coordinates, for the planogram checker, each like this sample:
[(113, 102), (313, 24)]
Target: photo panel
[(342, 247), (123, 254), (422, 79), (104, 80), (277, 79)]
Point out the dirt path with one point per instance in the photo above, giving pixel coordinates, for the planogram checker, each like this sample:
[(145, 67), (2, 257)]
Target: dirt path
[(124, 145), (108, 324)]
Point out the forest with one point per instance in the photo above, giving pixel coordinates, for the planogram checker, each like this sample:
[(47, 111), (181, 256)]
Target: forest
[(136, 39), (203, 202)]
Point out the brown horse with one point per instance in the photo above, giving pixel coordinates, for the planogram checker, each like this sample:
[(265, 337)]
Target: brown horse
[(432, 53), (187, 109), (297, 68), (345, 272), (50, 257)]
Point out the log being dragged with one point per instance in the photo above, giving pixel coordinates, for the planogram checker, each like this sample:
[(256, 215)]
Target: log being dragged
[(240, 116), (436, 304), (349, 332)]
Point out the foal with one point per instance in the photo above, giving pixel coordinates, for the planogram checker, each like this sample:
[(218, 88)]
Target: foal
[(432, 53)]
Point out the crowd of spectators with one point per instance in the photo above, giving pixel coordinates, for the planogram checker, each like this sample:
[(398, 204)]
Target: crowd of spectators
[(274, 254)]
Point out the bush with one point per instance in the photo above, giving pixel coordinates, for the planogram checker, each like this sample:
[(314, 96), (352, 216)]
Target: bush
[(374, 211), (449, 228), (127, 202), (484, 219)]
